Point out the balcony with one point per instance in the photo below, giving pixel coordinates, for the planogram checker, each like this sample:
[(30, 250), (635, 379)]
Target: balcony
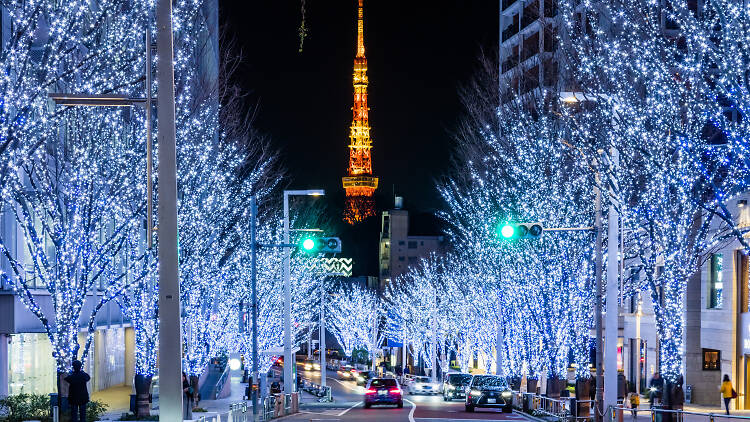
[(510, 31), (509, 63)]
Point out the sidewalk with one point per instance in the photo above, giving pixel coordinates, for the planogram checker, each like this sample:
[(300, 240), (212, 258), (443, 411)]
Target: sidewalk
[(117, 398)]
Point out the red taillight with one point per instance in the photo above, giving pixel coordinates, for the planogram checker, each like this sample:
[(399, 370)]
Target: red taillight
[(395, 390), (370, 391)]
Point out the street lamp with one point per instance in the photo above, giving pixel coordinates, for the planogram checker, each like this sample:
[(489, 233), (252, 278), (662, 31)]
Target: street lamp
[(288, 358)]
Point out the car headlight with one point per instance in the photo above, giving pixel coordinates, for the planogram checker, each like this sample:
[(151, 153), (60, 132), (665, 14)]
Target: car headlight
[(360, 379), (475, 393), (507, 394), (451, 389)]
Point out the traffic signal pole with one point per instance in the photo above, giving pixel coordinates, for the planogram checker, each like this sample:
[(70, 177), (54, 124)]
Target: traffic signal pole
[(254, 286), (170, 327)]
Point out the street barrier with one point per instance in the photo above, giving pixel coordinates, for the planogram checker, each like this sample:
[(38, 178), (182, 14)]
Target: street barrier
[(317, 390), (562, 409), (658, 414)]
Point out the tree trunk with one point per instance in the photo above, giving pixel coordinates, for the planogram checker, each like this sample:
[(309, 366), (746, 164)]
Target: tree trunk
[(583, 393), (142, 385)]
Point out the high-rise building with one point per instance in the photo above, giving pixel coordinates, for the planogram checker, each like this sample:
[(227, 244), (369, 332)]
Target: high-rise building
[(528, 47), (359, 183)]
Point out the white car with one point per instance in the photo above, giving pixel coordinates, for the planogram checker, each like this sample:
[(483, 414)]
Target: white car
[(423, 385)]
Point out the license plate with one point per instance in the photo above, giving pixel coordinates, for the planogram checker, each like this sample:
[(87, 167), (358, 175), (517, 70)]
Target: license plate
[(427, 387), (382, 392), (491, 400)]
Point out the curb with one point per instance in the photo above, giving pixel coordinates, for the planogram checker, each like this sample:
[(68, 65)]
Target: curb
[(342, 404)]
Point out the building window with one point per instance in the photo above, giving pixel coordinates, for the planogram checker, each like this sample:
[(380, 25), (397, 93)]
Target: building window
[(401, 258), (711, 360), (715, 281), (401, 243), (421, 243), (412, 244), (412, 260)]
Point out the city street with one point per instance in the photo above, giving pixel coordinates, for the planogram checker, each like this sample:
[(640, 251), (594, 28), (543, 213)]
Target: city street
[(348, 406)]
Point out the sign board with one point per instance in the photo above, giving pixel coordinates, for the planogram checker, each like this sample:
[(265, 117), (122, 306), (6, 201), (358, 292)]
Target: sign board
[(335, 266)]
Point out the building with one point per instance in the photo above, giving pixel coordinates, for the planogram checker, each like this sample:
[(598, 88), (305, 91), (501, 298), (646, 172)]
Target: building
[(717, 325), (26, 362), (400, 249), (359, 183), (527, 47)]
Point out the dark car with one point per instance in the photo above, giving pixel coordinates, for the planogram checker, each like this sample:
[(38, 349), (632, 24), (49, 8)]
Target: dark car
[(383, 391), (364, 376), (454, 386), (489, 391)]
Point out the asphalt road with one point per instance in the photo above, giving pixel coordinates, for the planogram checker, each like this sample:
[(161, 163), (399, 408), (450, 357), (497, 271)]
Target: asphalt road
[(347, 406)]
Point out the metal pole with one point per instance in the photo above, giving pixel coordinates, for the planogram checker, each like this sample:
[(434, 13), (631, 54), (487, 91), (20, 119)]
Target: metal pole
[(170, 327), (613, 309), (322, 332), (254, 285), (288, 358), (598, 413), (149, 148), (498, 351)]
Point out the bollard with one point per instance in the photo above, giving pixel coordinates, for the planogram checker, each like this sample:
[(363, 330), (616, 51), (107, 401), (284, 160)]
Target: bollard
[(55, 414)]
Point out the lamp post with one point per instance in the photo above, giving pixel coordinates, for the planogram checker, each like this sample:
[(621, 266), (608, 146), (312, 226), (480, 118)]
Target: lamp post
[(288, 358)]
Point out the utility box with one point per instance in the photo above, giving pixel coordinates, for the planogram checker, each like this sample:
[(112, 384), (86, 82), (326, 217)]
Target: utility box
[(688, 393)]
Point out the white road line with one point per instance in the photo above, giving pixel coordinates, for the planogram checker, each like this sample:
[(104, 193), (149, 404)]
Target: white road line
[(411, 412), (352, 407)]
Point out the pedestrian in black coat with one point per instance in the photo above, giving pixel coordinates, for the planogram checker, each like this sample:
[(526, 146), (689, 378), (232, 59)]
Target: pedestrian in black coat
[(78, 394)]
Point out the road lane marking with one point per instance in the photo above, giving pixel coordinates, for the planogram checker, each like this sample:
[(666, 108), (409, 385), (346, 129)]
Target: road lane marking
[(411, 412), (352, 407)]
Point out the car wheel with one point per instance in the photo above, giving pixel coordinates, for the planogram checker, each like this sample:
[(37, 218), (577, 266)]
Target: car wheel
[(367, 405), (469, 408), (507, 409), (445, 398), (401, 404)]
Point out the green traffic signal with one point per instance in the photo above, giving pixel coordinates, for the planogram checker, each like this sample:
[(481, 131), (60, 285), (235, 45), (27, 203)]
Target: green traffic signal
[(507, 231), (308, 244), (514, 231)]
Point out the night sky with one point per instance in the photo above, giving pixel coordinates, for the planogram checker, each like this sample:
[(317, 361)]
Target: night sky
[(418, 54)]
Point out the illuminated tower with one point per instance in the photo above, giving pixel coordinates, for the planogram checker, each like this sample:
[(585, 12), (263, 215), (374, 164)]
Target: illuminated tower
[(359, 183)]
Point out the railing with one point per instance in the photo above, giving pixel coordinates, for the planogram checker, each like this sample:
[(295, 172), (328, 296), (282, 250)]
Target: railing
[(220, 383), (323, 392), (562, 409), (657, 414), (269, 404)]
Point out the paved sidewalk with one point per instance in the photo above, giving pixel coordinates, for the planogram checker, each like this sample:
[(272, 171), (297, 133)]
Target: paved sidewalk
[(117, 398)]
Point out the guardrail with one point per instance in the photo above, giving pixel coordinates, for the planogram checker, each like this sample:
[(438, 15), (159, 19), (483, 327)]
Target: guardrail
[(658, 414), (323, 392), (562, 409)]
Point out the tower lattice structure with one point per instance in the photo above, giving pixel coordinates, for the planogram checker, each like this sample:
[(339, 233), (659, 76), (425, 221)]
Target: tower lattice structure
[(359, 183)]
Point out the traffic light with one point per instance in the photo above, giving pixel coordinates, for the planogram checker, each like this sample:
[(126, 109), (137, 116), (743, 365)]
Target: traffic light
[(512, 231), (321, 244)]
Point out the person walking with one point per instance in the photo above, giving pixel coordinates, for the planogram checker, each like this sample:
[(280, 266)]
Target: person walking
[(655, 386), (78, 394), (187, 401), (727, 392)]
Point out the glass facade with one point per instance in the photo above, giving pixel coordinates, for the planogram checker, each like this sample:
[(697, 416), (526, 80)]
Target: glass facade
[(32, 369), (716, 282)]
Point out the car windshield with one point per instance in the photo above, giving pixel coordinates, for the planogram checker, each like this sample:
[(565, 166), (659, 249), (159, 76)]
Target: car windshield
[(459, 379), (380, 382), (422, 379), (488, 381)]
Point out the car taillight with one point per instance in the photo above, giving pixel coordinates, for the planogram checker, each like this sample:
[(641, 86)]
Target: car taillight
[(370, 391), (395, 390)]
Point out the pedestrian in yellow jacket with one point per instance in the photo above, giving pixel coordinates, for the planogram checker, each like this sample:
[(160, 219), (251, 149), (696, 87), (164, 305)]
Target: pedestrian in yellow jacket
[(727, 392)]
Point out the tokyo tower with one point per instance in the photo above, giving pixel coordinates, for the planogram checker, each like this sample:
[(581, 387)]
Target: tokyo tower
[(359, 183)]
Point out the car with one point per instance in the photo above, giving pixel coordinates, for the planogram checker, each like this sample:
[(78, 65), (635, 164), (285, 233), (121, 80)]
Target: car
[(423, 385), (383, 391), (489, 391), (363, 376), (345, 373), (454, 386)]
